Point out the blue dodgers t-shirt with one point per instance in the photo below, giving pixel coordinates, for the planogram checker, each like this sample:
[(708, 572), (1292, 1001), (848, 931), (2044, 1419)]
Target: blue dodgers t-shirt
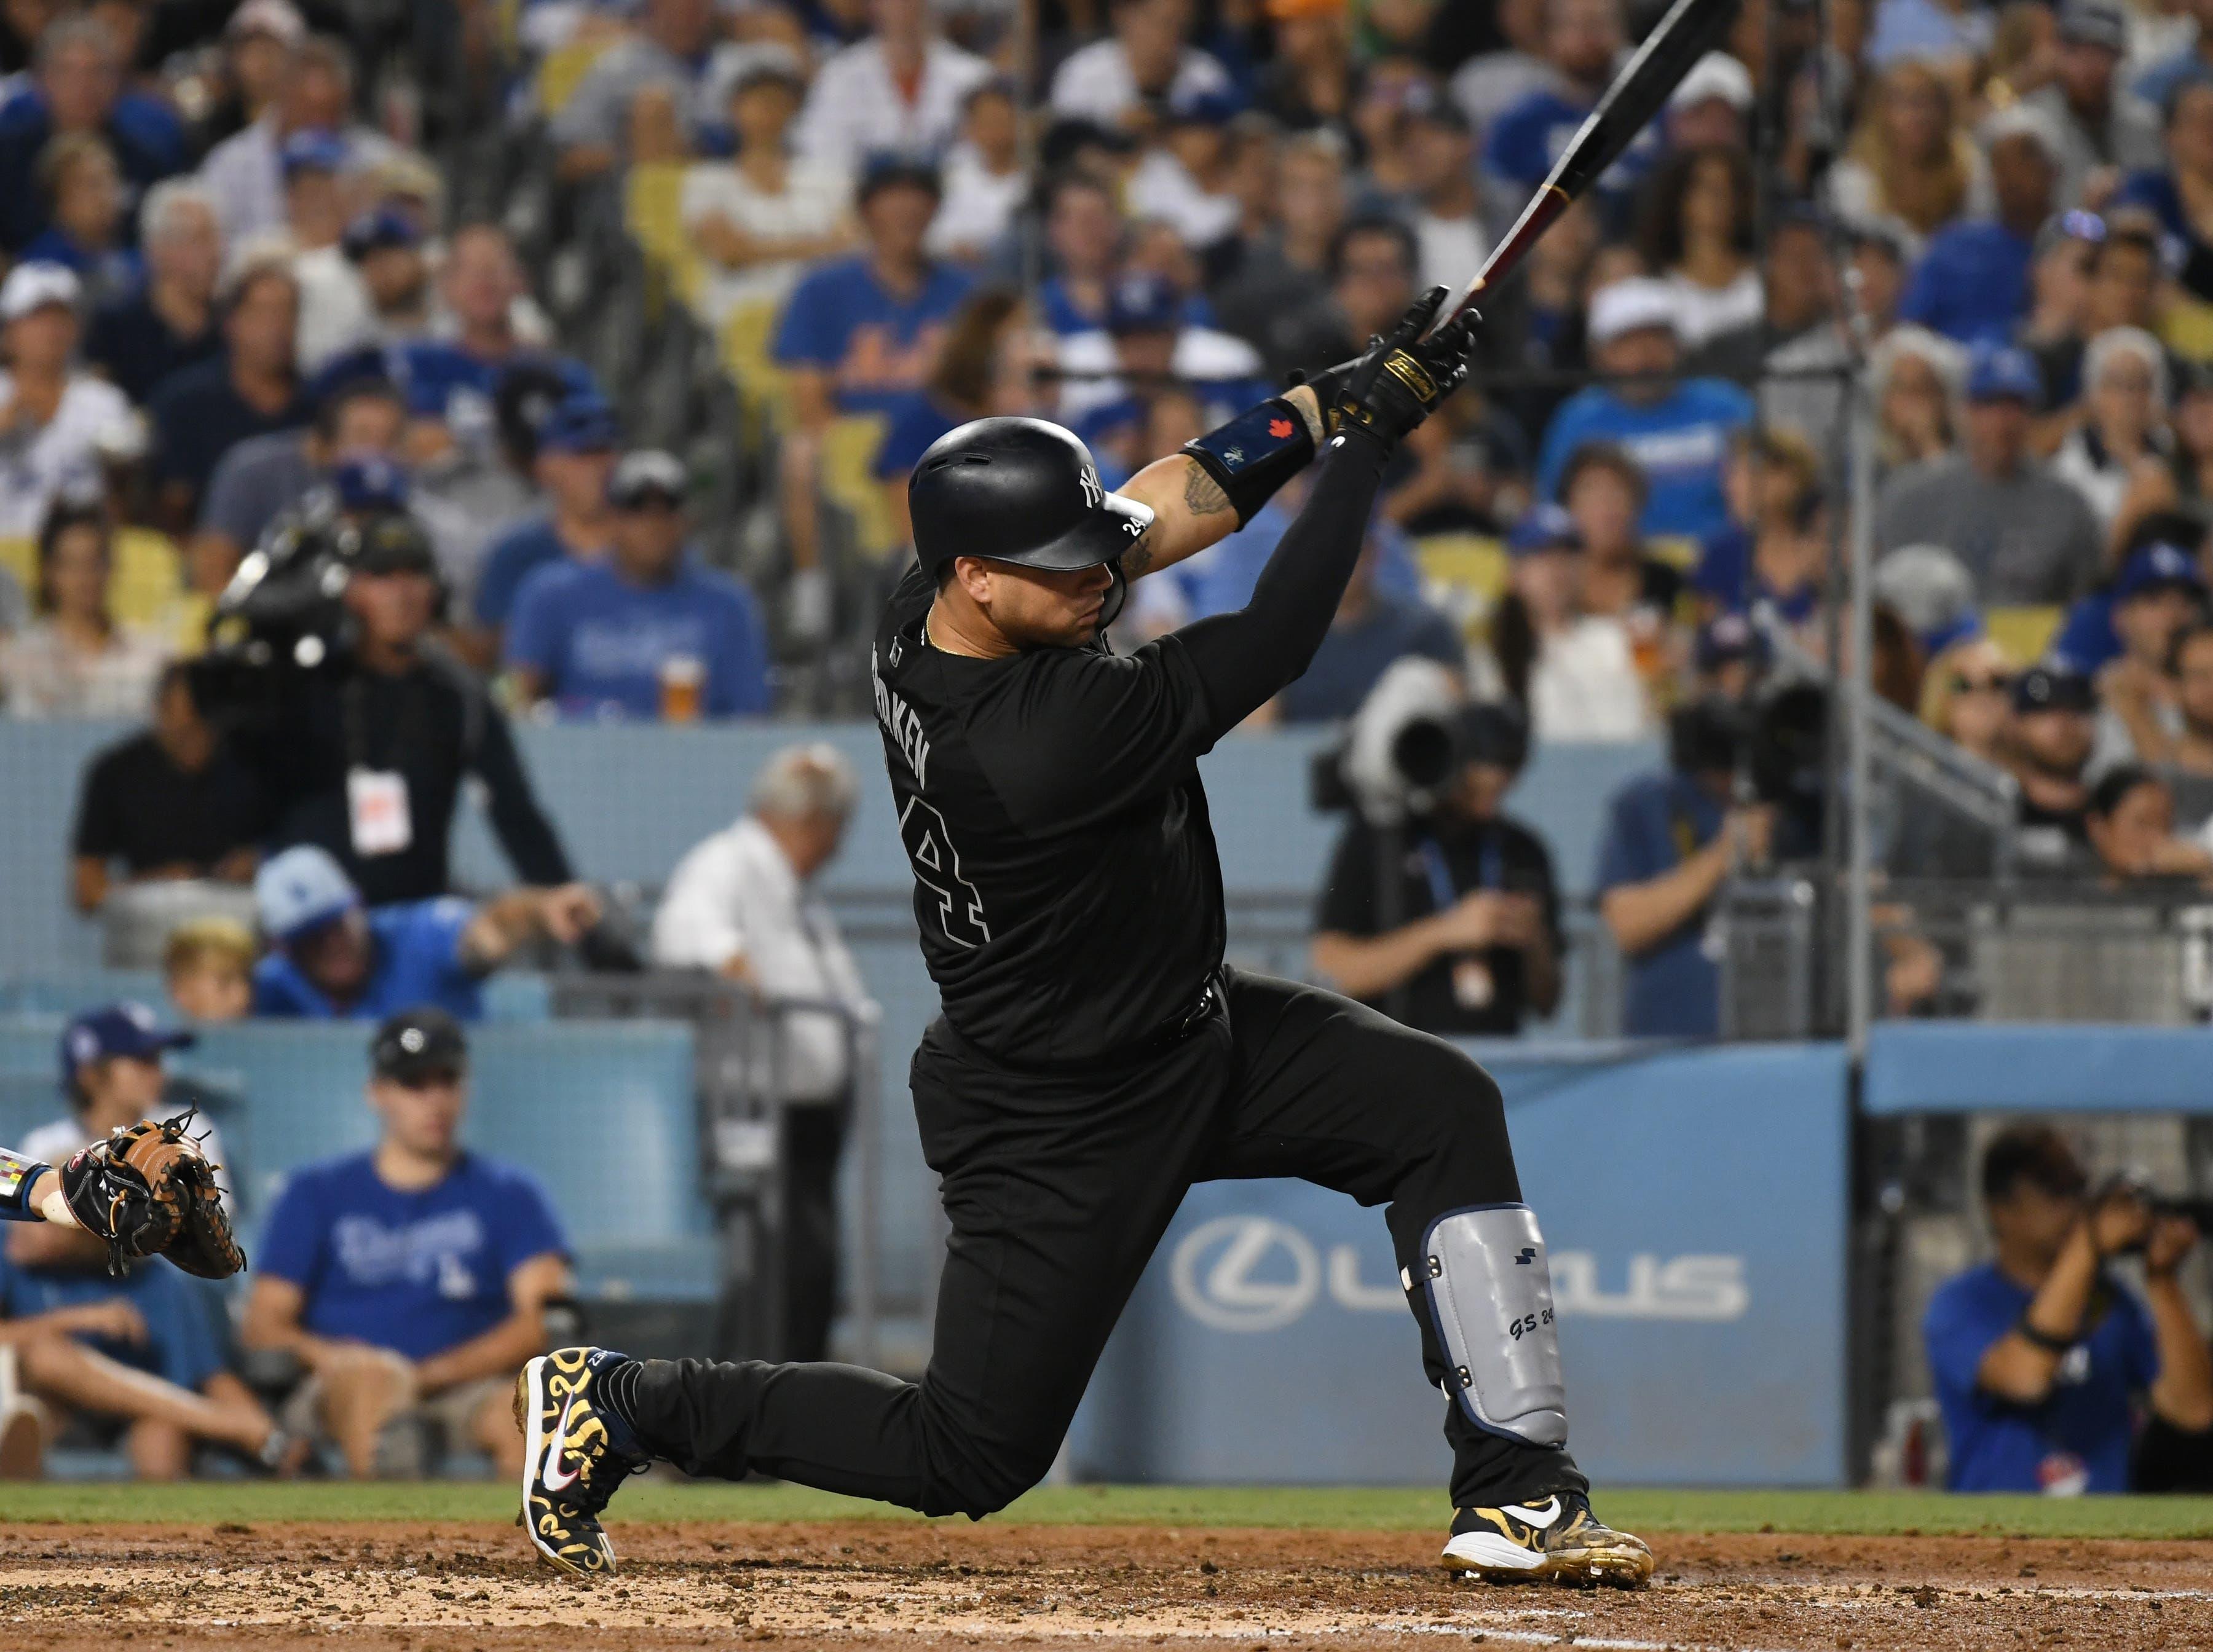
[(1652, 826), (416, 1271), (515, 552), (181, 1342), (417, 946), (876, 345), (1972, 285), (1528, 137), (1680, 441), (2081, 1434), (599, 641)]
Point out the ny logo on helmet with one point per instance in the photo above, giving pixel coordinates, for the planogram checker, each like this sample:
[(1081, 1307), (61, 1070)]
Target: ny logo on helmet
[(1094, 495)]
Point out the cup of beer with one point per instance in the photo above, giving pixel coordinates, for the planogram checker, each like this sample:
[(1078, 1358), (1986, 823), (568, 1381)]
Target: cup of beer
[(683, 678)]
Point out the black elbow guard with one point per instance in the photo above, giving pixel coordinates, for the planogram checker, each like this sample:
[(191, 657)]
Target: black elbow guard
[(1255, 454)]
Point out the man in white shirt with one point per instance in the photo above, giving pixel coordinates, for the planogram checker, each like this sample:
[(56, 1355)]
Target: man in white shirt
[(899, 91), (245, 173), (51, 415), (1145, 59), (739, 904)]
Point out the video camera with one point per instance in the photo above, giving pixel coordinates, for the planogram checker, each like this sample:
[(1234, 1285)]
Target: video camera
[(1408, 740), (1774, 743)]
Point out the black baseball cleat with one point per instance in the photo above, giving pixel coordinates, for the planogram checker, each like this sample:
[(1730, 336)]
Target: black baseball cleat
[(575, 1453), (1558, 1540)]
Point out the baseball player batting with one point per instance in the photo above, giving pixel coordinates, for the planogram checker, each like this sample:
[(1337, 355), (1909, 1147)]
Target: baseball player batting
[(1095, 1056)]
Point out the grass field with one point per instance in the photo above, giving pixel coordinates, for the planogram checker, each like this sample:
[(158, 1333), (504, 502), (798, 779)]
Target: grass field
[(1289, 1508)]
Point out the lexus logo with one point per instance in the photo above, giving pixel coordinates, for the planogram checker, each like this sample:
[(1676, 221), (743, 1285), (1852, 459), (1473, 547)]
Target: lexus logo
[(1230, 1274)]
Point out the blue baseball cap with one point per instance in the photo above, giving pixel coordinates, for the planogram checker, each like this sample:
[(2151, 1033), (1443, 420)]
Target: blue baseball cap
[(584, 422), (313, 150), (369, 481), (1727, 637), (1546, 528), (1203, 106), (2002, 372), (301, 890), (122, 1028), (2159, 567), (1144, 303), (376, 230)]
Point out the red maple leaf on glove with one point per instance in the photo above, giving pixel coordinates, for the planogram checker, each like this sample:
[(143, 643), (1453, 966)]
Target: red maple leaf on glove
[(1279, 428)]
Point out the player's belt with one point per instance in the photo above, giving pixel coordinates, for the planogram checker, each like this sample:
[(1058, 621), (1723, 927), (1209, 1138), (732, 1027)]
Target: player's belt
[(1160, 1040)]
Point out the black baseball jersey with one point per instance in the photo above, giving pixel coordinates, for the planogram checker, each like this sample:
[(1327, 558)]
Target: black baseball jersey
[(1066, 883)]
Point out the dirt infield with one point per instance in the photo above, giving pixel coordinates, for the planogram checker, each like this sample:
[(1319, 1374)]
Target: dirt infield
[(473, 1587)]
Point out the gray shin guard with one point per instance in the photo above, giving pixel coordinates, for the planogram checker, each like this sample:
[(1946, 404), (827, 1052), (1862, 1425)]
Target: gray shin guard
[(1491, 1293)]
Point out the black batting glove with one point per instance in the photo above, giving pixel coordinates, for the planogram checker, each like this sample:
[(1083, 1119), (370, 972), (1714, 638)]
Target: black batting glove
[(1403, 378)]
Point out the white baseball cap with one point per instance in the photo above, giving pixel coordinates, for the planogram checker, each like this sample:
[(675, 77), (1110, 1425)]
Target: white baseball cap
[(1628, 305), (278, 19), (1716, 75), (33, 286), (2022, 120)]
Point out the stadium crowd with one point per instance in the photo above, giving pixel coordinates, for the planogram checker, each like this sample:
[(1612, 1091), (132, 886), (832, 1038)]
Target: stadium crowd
[(241, 311)]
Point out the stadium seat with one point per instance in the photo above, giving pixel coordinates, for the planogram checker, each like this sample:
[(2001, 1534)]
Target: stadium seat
[(2023, 633), (848, 481), (564, 68), (747, 335), (653, 197), (142, 590), (1466, 572)]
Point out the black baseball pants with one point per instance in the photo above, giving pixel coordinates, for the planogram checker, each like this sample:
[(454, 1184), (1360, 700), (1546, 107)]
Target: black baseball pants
[(1059, 1187)]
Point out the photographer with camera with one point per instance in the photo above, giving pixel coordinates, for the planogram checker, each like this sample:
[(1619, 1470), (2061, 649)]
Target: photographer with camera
[(2039, 1354), (1452, 923), (359, 723)]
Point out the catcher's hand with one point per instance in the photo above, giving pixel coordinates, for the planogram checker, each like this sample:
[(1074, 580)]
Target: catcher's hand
[(150, 1191)]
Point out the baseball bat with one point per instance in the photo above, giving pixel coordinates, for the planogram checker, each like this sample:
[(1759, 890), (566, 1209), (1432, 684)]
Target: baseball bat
[(1638, 93)]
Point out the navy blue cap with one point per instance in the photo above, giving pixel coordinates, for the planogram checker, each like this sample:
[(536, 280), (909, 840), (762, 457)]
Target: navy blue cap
[(888, 169), (583, 423), (419, 1044), (1202, 106), (1727, 638), (2002, 372), (122, 1028), (1144, 303), (2158, 567), (376, 230), (1546, 528), (369, 481), (313, 150), (2055, 686)]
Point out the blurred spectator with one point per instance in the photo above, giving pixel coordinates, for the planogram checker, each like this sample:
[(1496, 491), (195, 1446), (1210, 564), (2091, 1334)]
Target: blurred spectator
[(1696, 233), (1909, 168), (257, 44), (1184, 180), (261, 477), (1372, 628), (1786, 344), (2124, 400), (1670, 841), (1604, 494), (1144, 62), (1677, 431), (1146, 345), (1711, 106), (1283, 278), (1774, 483), (1371, 275), (78, 89), (2104, 130), (668, 51), (897, 90), (2121, 280), (372, 288), (1312, 76), (52, 414), (986, 365), (136, 1355), (170, 802), (1483, 954), (1441, 180), (1582, 38), (367, 756), (2130, 819), (2025, 535), (207, 969), (77, 660), (1972, 282), (2039, 1354), (330, 958), (1929, 592), (858, 337), (743, 904), (575, 456), (2167, 192), (85, 229), (762, 215), (1084, 234), (1965, 694), (986, 181), (2047, 746), (245, 173), (168, 323), (200, 413), (2158, 593), (1573, 672), (411, 1281), (454, 374), (648, 632), (2189, 768), (1918, 381), (1486, 86)]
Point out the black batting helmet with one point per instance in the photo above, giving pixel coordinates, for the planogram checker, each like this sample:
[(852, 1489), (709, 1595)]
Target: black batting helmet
[(1019, 490)]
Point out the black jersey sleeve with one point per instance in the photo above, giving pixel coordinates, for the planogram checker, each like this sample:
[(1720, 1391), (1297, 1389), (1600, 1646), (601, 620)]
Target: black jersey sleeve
[(1245, 659), (1347, 905)]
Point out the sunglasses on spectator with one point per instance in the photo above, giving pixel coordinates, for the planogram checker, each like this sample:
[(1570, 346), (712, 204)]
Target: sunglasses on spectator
[(1996, 684)]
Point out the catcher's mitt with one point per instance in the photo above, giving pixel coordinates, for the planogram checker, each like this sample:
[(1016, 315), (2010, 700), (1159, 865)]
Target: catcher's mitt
[(150, 1191)]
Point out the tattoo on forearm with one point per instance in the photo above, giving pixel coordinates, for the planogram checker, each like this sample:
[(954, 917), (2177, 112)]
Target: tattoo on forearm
[(1139, 558), (1202, 494)]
